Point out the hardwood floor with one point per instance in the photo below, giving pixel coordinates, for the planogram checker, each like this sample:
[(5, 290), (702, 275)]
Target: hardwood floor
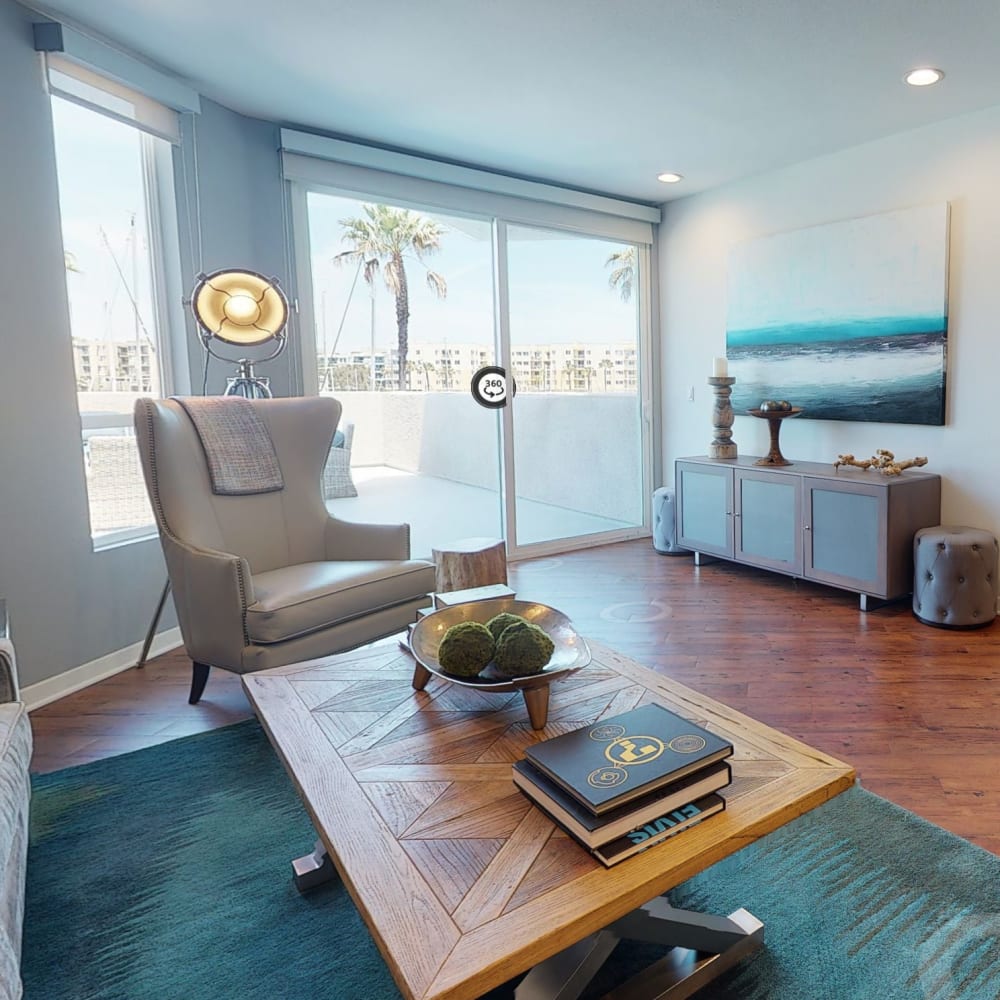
[(913, 708)]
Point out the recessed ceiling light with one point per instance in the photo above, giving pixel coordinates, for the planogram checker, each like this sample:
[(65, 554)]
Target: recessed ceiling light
[(924, 76), (670, 178)]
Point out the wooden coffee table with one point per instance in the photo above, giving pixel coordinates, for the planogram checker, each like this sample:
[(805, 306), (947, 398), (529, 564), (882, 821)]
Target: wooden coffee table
[(463, 883)]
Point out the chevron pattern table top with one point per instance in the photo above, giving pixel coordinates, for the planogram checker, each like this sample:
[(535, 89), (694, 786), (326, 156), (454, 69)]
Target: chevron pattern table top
[(461, 881)]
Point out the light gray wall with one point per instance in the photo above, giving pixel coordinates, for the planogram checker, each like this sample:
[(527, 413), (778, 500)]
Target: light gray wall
[(68, 604), (230, 177), (957, 161)]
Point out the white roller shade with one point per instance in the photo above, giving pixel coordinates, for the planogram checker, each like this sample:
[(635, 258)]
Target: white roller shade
[(368, 172), (82, 86)]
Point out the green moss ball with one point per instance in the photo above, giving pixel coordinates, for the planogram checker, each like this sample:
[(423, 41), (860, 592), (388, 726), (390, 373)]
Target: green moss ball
[(499, 622), (522, 649), (465, 649)]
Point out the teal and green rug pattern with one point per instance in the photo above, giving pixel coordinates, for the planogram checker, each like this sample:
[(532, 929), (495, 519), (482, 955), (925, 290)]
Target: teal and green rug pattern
[(164, 875)]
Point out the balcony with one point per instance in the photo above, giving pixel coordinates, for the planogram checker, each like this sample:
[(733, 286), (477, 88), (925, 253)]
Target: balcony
[(430, 459), (439, 510)]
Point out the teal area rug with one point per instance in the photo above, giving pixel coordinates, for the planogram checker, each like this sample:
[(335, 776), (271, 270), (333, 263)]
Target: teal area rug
[(164, 874)]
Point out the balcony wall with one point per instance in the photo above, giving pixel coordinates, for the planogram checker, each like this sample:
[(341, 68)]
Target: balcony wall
[(574, 450)]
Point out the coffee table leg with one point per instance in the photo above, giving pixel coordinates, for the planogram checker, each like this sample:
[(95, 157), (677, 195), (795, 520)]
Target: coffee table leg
[(313, 869), (537, 700), (702, 946), (565, 975)]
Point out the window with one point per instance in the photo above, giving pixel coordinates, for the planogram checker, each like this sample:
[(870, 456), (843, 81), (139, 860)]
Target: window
[(114, 176)]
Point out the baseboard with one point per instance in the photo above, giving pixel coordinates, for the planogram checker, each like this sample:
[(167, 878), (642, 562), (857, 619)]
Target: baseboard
[(53, 688)]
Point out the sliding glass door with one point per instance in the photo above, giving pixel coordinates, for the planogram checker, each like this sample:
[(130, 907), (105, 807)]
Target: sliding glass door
[(575, 353), (403, 307), (408, 302)]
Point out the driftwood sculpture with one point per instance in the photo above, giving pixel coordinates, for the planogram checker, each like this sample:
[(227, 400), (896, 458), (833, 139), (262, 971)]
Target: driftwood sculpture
[(882, 460)]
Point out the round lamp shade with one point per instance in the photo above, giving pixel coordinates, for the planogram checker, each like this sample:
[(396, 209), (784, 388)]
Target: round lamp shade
[(240, 307)]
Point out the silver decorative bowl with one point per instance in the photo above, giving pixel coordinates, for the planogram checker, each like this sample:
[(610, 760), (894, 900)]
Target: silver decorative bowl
[(571, 650)]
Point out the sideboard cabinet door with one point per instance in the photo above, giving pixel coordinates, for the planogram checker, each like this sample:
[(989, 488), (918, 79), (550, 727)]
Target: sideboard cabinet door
[(768, 520), (705, 508), (845, 534)]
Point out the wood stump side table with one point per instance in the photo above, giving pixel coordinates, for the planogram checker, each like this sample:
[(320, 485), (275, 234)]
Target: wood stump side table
[(469, 563)]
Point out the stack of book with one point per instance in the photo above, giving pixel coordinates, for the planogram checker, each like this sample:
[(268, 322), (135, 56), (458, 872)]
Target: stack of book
[(627, 782)]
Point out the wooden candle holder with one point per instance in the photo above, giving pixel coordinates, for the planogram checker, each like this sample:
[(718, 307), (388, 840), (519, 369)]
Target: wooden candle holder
[(722, 445)]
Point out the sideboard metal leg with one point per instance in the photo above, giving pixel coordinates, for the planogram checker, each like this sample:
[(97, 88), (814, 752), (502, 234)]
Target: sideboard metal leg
[(869, 603)]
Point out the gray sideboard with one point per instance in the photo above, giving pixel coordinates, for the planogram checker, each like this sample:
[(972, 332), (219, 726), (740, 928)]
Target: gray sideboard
[(846, 527)]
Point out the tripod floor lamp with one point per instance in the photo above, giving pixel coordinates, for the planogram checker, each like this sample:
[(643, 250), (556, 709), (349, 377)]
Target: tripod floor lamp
[(244, 309)]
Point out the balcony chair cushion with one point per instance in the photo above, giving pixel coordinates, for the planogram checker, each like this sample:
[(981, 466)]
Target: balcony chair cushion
[(337, 479), (295, 600)]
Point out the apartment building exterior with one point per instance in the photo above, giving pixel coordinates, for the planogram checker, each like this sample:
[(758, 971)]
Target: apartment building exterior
[(115, 366), (444, 367)]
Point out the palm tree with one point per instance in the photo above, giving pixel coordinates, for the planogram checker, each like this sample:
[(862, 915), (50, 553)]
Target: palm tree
[(622, 277), (383, 238)]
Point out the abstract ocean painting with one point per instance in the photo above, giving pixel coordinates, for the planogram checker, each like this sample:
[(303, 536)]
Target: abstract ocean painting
[(848, 320)]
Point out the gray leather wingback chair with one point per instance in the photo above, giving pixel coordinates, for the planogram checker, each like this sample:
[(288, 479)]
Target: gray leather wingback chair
[(270, 579)]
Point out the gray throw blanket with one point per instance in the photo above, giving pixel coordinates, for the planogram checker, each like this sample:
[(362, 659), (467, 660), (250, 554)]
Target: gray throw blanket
[(238, 447)]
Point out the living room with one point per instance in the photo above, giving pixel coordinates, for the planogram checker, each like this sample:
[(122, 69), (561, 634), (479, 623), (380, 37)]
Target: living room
[(79, 615)]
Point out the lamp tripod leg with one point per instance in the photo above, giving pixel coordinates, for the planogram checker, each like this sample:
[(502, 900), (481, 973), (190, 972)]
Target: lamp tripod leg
[(152, 625)]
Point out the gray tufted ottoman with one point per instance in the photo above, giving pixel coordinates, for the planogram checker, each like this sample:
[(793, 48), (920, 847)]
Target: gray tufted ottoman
[(954, 576)]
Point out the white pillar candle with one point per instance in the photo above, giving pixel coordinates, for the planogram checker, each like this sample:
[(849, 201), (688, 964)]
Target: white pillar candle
[(720, 368)]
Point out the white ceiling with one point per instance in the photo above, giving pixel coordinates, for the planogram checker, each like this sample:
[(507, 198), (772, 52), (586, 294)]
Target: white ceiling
[(596, 94)]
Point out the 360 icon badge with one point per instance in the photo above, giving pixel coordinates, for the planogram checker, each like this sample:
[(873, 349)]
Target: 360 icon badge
[(491, 387)]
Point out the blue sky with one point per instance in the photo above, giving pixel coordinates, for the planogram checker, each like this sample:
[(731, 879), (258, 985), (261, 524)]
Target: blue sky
[(559, 287), (100, 187)]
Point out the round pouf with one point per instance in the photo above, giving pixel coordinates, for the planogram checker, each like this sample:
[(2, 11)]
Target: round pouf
[(665, 523), (954, 576)]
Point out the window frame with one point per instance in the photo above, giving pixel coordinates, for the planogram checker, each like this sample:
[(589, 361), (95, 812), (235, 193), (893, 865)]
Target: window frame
[(160, 207), (304, 176)]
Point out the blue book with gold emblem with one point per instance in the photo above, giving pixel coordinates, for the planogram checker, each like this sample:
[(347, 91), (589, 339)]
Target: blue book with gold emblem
[(621, 758), (593, 830)]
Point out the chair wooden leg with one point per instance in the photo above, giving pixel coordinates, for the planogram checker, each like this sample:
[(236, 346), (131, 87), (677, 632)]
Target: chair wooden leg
[(199, 678)]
